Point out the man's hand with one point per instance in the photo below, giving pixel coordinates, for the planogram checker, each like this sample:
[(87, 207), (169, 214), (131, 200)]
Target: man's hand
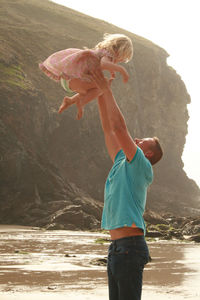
[(98, 77)]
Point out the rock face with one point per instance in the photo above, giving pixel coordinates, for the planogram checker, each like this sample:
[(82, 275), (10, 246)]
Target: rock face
[(170, 227), (52, 167)]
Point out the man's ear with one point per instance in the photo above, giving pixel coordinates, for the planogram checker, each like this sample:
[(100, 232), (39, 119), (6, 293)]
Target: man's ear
[(148, 154)]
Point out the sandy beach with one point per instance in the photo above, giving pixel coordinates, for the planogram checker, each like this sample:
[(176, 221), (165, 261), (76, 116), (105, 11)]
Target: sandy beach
[(39, 264)]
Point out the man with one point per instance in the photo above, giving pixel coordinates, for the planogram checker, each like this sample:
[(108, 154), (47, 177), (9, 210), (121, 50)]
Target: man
[(125, 197)]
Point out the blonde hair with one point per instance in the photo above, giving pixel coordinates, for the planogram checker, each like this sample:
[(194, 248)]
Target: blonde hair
[(119, 45)]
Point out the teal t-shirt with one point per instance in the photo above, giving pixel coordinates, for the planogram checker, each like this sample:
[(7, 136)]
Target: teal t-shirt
[(125, 191)]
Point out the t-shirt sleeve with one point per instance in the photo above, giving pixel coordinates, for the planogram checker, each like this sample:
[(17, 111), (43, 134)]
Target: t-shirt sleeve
[(120, 155), (143, 166)]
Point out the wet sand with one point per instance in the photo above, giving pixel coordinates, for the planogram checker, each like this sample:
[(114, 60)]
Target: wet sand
[(38, 264)]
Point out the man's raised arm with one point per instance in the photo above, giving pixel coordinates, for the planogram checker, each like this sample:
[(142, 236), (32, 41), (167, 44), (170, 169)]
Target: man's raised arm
[(113, 123)]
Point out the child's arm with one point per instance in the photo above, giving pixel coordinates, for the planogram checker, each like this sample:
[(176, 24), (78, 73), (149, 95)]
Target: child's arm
[(112, 67)]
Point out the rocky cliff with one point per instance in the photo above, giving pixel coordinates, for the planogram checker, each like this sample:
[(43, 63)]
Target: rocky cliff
[(52, 167)]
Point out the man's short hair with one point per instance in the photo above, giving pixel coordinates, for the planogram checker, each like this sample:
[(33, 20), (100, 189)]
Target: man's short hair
[(157, 150)]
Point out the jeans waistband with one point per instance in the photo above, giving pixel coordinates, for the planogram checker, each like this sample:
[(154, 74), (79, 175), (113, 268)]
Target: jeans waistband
[(134, 238)]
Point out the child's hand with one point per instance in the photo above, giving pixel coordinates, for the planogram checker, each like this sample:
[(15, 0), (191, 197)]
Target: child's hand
[(109, 81), (112, 74), (125, 76)]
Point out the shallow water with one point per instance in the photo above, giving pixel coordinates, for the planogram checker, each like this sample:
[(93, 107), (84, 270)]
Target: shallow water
[(57, 265)]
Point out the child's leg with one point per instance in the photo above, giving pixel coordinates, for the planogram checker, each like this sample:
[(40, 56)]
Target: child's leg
[(81, 86), (82, 100), (89, 96), (79, 99), (67, 101)]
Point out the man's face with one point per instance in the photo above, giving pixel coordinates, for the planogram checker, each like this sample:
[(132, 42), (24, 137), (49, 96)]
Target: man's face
[(144, 144)]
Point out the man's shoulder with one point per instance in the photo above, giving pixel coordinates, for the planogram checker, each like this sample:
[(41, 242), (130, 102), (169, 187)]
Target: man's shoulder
[(120, 155), (140, 162)]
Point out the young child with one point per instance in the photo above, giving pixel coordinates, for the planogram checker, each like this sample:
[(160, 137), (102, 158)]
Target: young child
[(72, 68)]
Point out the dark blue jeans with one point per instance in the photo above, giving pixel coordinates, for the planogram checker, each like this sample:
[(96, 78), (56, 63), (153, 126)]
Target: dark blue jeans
[(126, 260)]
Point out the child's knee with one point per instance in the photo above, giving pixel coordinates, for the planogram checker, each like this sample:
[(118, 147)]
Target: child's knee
[(80, 86), (76, 85)]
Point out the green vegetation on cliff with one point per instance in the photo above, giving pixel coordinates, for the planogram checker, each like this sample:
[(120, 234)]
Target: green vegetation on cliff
[(12, 75)]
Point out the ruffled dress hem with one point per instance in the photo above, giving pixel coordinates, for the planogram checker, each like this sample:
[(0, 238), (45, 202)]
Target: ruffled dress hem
[(48, 73)]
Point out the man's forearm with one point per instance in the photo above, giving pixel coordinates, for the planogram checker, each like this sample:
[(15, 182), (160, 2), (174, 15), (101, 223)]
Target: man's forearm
[(111, 139), (115, 130), (103, 114), (111, 116)]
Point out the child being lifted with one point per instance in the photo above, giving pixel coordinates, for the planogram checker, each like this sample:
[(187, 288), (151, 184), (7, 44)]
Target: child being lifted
[(72, 68)]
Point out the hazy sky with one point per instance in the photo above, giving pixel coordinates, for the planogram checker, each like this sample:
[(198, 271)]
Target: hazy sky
[(173, 25)]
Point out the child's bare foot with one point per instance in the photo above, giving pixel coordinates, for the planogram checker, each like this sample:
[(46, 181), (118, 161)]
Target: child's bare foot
[(67, 101), (80, 110)]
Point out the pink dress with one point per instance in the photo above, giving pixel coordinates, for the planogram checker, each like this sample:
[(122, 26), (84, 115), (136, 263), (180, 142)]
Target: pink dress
[(73, 63)]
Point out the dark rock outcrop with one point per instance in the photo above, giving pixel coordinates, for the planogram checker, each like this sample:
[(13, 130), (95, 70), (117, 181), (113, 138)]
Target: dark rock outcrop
[(169, 227), (52, 167)]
